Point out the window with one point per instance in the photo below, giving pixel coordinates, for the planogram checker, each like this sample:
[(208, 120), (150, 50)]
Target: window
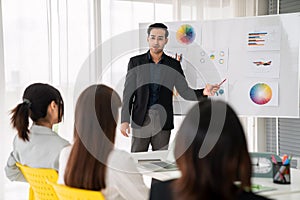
[(285, 6), (43, 41), (25, 42)]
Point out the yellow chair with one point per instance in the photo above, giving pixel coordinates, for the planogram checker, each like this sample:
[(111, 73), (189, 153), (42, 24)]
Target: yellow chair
[(36, 177), (70, 193)]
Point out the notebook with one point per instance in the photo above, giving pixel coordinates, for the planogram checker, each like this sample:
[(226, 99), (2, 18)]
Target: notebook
[(159, 165), (256, 188), (261, 188)]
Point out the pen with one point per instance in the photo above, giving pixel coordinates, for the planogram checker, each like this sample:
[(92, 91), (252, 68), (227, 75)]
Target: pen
[(284, 158), (222, 82), (280, 171), (288, 160), (274, 159)]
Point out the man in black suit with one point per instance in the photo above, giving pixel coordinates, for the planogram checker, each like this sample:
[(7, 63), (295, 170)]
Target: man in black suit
[(148, 93)]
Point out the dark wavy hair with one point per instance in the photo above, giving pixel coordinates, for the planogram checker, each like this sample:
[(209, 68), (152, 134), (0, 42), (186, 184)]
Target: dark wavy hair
[(211, 175), (158, 25), (36, 99), (95, 125)]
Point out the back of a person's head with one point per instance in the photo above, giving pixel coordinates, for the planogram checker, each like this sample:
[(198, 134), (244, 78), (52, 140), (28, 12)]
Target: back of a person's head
[(36, 99), (211, 152), (96, 116)]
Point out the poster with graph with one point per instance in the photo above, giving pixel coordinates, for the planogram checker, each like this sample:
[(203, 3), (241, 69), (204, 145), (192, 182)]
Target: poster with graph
[(262, 38), (263, 62)]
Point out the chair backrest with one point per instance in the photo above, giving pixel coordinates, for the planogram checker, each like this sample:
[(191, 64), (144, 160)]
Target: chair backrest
[(69, 193), (36, 177)]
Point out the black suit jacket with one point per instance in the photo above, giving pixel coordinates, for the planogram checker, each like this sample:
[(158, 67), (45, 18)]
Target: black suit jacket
[(136, 90)]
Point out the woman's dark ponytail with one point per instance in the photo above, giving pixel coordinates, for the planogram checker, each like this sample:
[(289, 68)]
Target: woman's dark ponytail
[(20, 119)]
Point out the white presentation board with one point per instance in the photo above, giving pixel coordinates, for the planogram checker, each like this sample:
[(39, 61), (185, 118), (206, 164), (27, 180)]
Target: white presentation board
[(259, 57)]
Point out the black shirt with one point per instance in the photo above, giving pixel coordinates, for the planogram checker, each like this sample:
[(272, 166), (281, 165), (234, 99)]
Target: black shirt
[(154, 86)]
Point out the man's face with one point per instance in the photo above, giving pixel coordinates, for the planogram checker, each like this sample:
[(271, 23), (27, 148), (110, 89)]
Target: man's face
[(157, 40)]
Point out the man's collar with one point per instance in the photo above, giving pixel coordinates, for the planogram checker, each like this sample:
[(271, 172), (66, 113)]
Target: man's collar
[(150, 58)]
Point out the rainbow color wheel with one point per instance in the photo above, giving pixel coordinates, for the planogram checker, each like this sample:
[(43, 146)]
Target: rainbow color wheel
[(261, 93), (185, 34)]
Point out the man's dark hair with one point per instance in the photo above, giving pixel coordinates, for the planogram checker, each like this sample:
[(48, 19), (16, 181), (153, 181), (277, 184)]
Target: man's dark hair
[(158, 25)]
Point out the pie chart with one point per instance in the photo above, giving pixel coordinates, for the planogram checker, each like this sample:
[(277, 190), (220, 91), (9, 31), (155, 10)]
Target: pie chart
[(261, 93), (185, 34)]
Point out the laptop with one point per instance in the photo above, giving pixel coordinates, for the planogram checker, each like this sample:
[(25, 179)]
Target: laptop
[(158, 165)]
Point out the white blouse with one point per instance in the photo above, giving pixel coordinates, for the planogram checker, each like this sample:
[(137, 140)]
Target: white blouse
[(123, 181)]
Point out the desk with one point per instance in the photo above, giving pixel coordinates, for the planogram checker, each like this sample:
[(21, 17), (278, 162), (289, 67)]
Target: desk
[(281, 189), (290, 196), (162, 155), (289, 191)]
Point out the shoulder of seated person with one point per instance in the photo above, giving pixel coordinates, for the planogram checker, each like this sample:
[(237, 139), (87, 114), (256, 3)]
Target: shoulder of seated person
[(119, 154), (121, 160), (66, 149)]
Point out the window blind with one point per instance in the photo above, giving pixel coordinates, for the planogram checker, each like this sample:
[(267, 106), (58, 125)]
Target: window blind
[(289, 136), (285, 6), (272, 7), (271, 135)]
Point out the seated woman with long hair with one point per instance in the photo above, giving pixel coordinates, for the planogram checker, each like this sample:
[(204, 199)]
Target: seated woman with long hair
[(212, 155), (92, 163)]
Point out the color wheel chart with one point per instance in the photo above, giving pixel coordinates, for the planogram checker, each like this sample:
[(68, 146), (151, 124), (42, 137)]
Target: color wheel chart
[(185, 34), (261, 93)]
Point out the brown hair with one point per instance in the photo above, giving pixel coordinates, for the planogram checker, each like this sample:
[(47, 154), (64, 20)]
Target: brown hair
[(211, 175), (36, 99), (96, 116)]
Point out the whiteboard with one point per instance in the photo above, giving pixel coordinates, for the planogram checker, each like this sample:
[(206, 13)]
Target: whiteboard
[(259, 56)]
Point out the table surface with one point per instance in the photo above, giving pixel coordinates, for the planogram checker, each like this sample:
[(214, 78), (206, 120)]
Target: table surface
[(294, 187), (281, 191), (289, 196)]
